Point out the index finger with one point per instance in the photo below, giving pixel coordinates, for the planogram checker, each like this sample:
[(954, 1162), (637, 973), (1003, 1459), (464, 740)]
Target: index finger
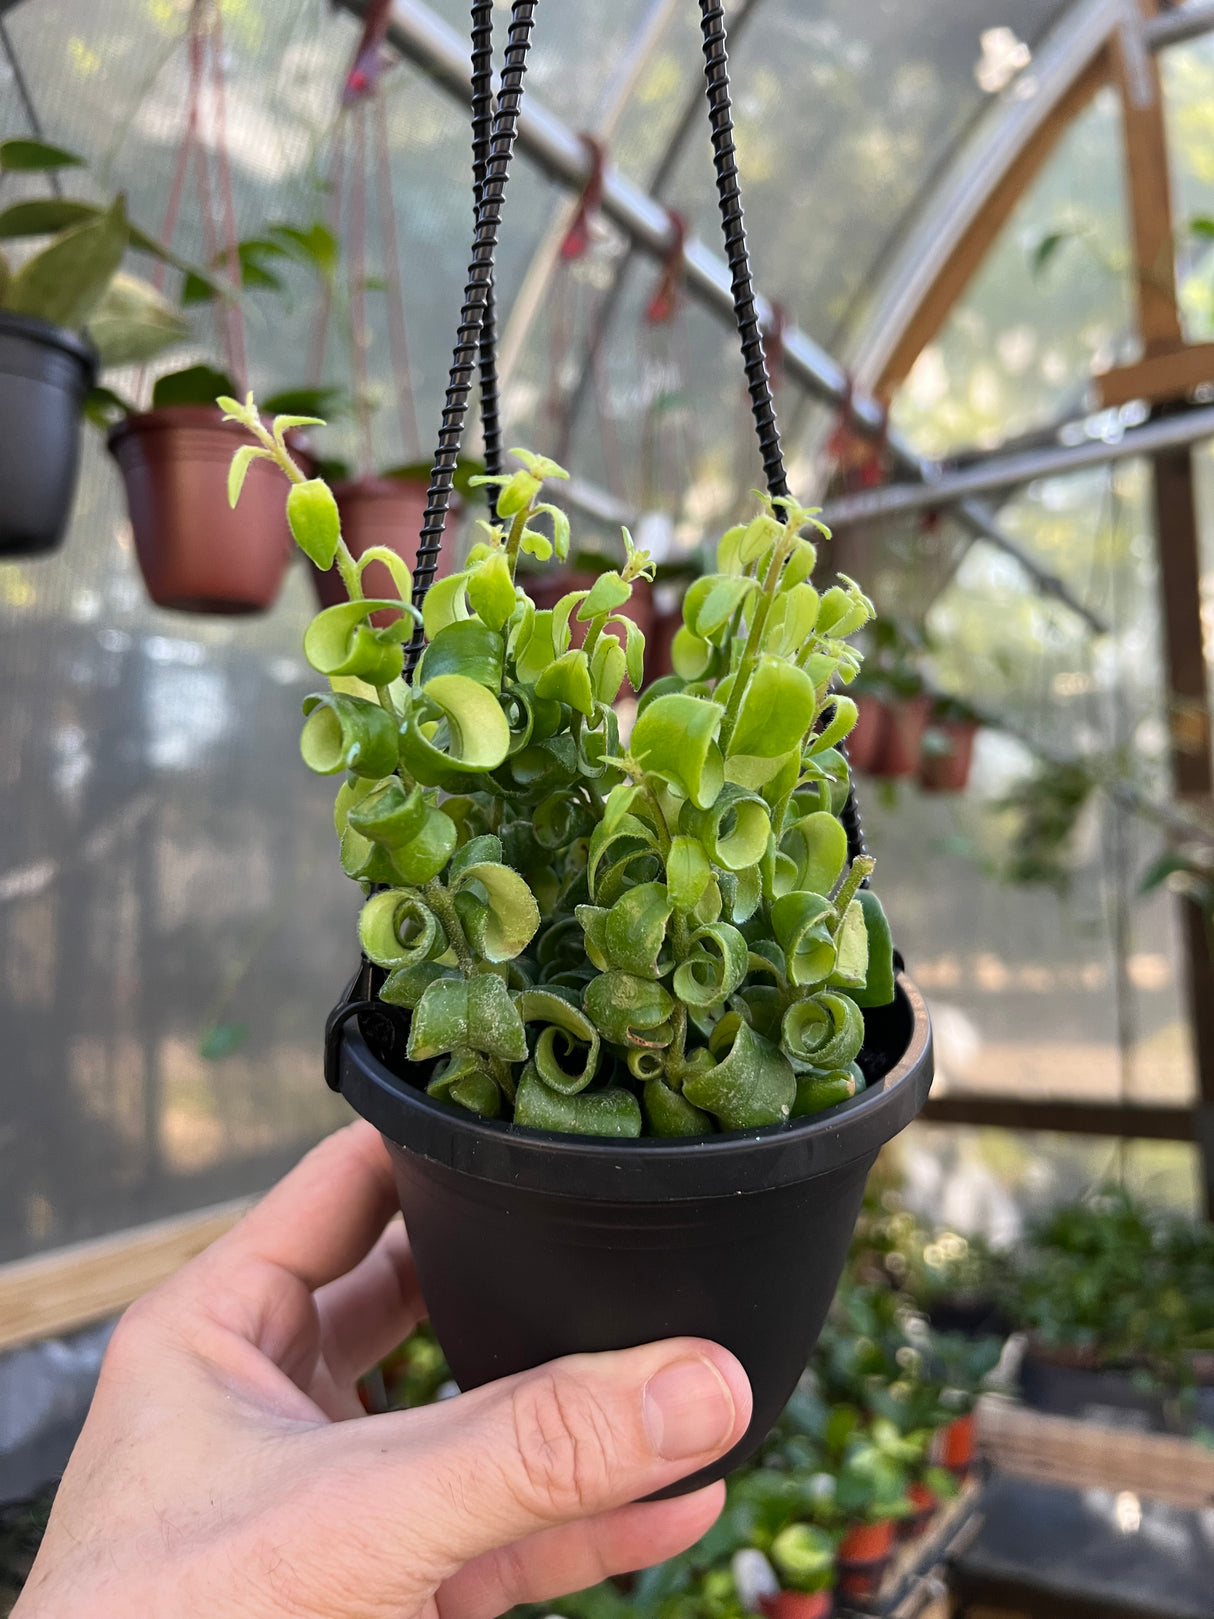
[(323, 1217)]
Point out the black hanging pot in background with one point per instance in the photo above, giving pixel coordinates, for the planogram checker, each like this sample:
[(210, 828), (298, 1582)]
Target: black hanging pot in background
[(45, 374), (530, 1245)]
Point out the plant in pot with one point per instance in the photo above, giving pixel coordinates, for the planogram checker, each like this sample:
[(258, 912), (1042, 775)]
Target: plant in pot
[(619, 996), (948, 746), (195, 553), (65, 309), (893, 704), (1118, 1306), (592, 940)]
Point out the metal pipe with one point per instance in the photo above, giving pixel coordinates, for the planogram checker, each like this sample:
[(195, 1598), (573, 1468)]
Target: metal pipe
[(1176, 26), (1007, 472), (560, 154)]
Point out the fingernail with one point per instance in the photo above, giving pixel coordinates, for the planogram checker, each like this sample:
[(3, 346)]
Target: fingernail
[(688, 1409)]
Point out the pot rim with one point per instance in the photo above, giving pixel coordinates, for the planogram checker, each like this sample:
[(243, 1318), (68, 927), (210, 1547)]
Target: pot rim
[(74, 344), (166, 417), (648, 1169)]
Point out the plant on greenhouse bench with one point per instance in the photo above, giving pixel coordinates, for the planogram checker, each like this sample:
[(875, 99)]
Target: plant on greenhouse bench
[(598, 936)]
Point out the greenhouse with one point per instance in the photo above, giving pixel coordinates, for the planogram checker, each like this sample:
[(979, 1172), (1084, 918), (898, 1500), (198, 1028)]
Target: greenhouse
[(813, 714)]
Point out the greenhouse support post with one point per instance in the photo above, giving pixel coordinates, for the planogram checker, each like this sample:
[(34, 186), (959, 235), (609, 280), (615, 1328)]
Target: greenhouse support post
[(1148, 185)]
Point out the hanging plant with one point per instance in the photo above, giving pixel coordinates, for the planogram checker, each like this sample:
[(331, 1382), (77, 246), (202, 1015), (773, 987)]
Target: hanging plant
[(195, 554), (628, 1018), (66, 308), (381, 504)]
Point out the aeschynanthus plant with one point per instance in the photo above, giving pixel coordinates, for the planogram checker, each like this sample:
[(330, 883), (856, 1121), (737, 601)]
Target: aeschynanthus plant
[(661, 936)]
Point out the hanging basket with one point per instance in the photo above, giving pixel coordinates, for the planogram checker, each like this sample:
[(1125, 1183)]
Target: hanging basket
[(531, 1245), (196, 554), (45, 374), (378, 511)]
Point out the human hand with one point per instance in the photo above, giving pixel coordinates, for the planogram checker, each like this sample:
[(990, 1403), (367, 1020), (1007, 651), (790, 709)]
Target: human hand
[(217, 1474)]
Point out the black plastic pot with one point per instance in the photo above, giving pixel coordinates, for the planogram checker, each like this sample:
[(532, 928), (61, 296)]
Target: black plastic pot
[(530, 1245), (45, 373)]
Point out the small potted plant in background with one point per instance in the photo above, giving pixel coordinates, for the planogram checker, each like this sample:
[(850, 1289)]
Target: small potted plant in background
[(195, 553), (65, 309), (1117, 1302), (573, 940), (893, 704), (948, 746)]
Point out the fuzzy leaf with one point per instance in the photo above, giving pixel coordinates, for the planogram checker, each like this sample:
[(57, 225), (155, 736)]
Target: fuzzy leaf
[(340, 642), (825, 1031), (798, 921), (776, 712), (688, 872), (491, 591), (675, 740), (314, 521), (475, 1013), (670, 1114), (396, 929), (241, 462), (753, 1086), (347, 733), (734, 831), (427, 851), (716, 966), (620, 1005), (502, 924), (879, 981), (477, 731), (446, 602), (568, 1030), (610, 1112), (468, 648), (606, 594), (568, 681), (389, 813), (635, 929)]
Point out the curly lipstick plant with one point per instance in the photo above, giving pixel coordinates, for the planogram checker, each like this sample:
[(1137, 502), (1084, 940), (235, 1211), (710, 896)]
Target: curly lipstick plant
[(660, 935)]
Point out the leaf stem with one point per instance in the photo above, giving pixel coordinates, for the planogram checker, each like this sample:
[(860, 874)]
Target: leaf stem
[(754, 641), (442, 903)]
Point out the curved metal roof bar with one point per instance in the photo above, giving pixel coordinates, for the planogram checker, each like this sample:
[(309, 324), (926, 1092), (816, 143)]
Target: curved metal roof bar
[(559, 152), (997, 148)]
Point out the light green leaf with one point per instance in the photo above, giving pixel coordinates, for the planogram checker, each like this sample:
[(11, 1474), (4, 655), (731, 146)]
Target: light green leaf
[(675, 740), (397, 929), (497, 908), (635, 929), (569, 1035), (347, 733), (241, 462), (491, 591), (776, 712), (477, 731), (568, 681), (688, 872)]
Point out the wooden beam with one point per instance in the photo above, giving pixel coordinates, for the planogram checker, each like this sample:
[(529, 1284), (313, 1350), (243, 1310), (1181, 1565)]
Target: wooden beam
[(972, 248), (1163, 377), (1177, 538), (1124, 1120), (74, 1286)]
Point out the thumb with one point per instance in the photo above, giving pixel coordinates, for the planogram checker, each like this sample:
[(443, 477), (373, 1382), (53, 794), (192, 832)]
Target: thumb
[(567, 1441)]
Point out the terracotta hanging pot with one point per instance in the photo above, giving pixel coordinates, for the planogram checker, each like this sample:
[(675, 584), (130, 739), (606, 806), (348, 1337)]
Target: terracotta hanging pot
[(196, 554), (866, 739), (45, 373), (908, 717), (925, 1502), (380, 511), (945, 768), (863, 1554)]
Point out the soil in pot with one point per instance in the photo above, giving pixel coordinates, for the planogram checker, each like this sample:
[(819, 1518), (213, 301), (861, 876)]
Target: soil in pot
[(532, 1245), (864, 1552), (380, 511), (45, 373), (196, 554), (946, 769)]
